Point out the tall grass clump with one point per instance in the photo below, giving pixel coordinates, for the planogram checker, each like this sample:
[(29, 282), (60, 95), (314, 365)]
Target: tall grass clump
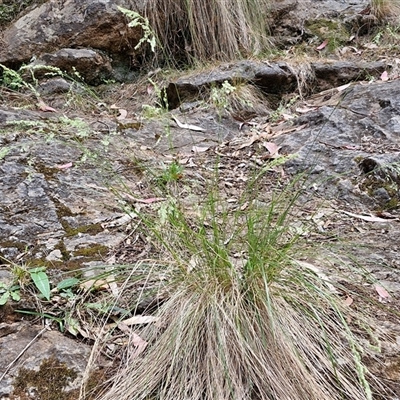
[(385, 10), (242, 317), (191, 30)]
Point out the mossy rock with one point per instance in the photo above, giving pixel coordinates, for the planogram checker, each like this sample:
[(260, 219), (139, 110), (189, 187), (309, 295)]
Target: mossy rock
[(49, 382)]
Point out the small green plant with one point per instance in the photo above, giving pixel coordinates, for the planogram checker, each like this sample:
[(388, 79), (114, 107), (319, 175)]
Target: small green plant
[(219, 96), (79, 94), (14, 80), (377, 38), (9, 291), (4, 151), (282, 108), (151, 112), (22, 276), (241, 100), (138, 20), (65, 289), (387, 36), (46, 129), (170, 173), (161, 107), (77, 125)]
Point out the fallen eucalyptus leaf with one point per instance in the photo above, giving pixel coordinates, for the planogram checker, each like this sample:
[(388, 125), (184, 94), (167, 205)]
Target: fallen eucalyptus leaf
[(188, 126)]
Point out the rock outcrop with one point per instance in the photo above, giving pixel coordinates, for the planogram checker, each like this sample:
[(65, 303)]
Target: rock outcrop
[(72, 24)]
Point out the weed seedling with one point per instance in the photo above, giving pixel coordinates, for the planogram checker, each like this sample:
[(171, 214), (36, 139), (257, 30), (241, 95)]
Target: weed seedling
[(9, 291)]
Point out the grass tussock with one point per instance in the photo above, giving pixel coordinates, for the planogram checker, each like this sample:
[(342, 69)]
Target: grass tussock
[(242, 101), (243, 319), (191, 31), (385, 10)]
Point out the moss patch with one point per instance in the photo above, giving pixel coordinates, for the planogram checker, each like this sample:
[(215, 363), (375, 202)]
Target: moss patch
[(95, 252), (381, 182), (64, 252), (47, 171), (92, 229), (49, 382), (330, 30)]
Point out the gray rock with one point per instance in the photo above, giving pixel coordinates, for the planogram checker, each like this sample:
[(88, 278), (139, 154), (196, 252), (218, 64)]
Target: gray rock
[(272, 78), (91, 66), (25, 347), (54, 85), (356, 140), (71, 24), (338, 73)]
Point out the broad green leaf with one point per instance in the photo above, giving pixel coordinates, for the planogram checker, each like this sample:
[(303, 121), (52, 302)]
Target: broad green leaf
[(4, 297), (104, 308), (72, 325), (36, 270), (67, 283), (45, 315), (41, 281), (15, 296), (4, 151)]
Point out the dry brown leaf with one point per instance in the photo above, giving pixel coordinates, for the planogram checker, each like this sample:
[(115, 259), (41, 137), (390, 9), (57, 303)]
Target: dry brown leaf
[(276, 131), (122, 114), (249, 142), (150, 200), (95, 284), (346, 49), (44, 107), (187, 126), (370, 46), (267, 128), (199, 149), (287, 117), (138, 342), (323, 44), (343, 87), (385, 214), (272, 148), (244, 206), (367, 217), (64, 166), (303, 110), (140, 319), (329, 97), (383, 294), (349, 301), (134, 339)]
